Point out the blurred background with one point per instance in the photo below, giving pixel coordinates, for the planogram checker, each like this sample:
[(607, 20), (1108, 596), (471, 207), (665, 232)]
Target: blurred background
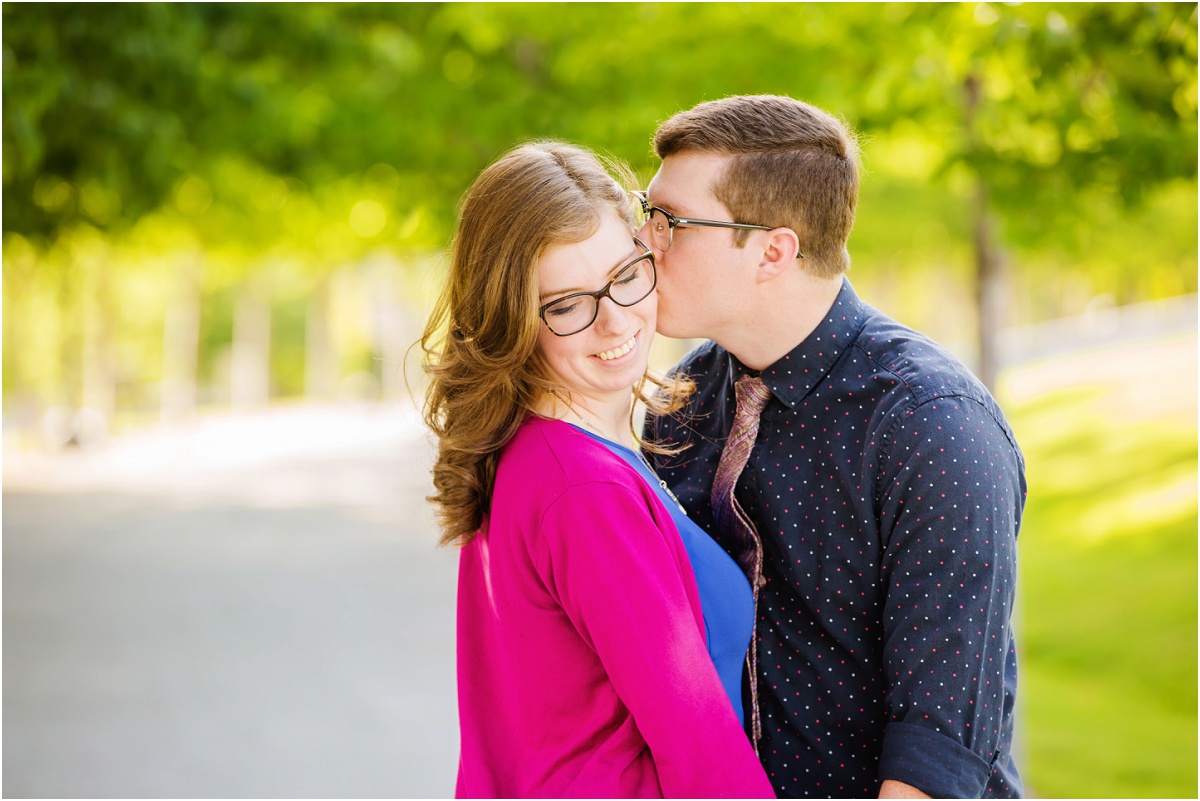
[(224, 225)]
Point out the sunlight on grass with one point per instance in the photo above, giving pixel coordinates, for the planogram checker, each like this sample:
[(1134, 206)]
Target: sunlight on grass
[(1107, 613)]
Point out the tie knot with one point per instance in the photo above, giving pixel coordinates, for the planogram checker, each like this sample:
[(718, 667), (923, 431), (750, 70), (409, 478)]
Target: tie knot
[(752, 395)]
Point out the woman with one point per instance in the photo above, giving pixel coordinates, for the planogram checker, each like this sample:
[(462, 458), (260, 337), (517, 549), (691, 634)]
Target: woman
[(582, 660)]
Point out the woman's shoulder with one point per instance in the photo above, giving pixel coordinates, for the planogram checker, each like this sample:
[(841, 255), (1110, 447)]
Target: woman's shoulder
[(555, 481), (556, 455), (550, 468)]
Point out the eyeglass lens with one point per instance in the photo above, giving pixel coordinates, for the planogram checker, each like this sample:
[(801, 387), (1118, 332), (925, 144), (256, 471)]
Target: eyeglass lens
[(572, 314), (661, 230)]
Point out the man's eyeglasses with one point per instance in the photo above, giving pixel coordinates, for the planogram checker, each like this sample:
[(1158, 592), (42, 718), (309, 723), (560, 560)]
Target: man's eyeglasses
[(663, 224), (632, 284)]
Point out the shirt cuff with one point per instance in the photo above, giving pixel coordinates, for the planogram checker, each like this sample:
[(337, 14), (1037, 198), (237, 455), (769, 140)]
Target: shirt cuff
[(933, 763)]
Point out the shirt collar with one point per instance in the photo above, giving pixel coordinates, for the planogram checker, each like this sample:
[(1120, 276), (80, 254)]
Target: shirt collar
[(796, 374)]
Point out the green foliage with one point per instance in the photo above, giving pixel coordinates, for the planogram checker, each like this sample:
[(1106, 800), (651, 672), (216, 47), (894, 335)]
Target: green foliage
[(1107, 613), (120, 103), (99, 107), (312, 135)]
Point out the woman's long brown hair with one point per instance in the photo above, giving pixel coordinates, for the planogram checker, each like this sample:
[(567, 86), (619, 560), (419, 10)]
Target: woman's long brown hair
[(480, 341)]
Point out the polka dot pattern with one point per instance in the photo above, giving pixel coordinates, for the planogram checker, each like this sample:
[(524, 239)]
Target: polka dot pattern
[(888, 489)]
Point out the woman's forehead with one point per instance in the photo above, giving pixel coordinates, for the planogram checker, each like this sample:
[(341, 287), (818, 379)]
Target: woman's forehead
[(576, 265)]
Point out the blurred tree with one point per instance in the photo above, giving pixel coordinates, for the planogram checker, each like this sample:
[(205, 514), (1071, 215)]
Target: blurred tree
[(100, 105), (296, 139), (1032, 114), (1036, 108)]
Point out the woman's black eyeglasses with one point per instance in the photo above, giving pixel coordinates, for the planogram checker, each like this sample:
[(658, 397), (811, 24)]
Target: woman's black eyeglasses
[(632, 284)]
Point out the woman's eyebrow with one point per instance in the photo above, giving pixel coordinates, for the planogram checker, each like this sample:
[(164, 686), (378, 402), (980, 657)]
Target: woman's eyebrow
[(624, 262)]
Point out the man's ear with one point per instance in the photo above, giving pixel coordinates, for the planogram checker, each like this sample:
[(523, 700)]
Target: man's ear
[(779, 254)]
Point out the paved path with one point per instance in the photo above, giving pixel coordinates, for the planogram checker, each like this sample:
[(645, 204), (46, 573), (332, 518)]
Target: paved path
[(253, 606), (245, 607)]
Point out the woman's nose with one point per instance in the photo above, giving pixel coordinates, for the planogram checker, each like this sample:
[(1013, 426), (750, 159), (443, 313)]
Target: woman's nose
[(610, 317)]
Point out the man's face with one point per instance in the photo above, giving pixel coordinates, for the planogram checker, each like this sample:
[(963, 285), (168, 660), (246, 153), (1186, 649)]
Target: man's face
[(699, 277)]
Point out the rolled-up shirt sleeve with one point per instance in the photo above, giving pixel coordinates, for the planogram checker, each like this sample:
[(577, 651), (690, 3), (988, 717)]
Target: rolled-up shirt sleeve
[(622, 579), (951, 494)]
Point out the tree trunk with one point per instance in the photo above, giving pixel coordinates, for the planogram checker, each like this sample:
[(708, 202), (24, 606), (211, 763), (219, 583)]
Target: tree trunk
[(99, 375), (72, 302), (321, 369), (181, 341), (990, 289), (250, 371), (389, 327), (990, 283), (393, 335), (99, 378)]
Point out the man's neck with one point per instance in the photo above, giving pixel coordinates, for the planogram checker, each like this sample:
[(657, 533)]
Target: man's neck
[(784, 317)]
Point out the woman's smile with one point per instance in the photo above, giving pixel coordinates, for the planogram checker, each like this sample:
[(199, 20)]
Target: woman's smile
[(619, 351)]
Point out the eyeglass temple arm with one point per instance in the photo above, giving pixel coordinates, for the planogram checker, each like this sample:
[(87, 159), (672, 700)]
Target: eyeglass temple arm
[(646, 207), (715, 224)]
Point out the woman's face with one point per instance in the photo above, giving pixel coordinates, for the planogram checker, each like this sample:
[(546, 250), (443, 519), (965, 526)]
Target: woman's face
[(601, 363)]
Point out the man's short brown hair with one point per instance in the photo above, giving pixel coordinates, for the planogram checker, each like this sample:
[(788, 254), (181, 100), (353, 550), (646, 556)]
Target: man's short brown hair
[(793, 165)]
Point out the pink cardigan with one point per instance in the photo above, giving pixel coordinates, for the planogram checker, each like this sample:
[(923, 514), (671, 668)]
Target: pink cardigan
[(582, 669)]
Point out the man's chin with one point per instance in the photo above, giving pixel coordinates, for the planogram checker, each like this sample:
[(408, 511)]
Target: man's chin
[(668, 328), (682, 326)]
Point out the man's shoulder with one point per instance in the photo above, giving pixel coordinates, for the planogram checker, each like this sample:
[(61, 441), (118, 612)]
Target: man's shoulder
[(924, 370), (925, 375)]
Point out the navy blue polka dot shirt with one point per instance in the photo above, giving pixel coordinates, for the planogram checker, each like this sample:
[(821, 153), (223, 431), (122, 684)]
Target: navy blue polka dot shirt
[(887, 488)]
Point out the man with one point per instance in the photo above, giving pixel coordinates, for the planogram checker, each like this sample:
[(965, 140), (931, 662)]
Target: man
[(878, 507)]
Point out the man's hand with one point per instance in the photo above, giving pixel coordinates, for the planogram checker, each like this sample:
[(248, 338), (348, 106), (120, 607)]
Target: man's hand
[(894, 789)]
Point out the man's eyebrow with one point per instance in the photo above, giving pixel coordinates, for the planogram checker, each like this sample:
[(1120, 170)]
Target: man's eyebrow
[(624, 262), (668, 206)]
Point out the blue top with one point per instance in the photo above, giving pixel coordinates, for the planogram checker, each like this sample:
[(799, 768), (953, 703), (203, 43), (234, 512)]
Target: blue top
[(725, 596), (888, 490)]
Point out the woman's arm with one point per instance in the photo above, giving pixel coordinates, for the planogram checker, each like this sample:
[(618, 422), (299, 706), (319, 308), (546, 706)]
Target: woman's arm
[(619, 570)]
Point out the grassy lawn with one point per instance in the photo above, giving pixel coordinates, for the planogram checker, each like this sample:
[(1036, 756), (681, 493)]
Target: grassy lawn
[(1108, 585)]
